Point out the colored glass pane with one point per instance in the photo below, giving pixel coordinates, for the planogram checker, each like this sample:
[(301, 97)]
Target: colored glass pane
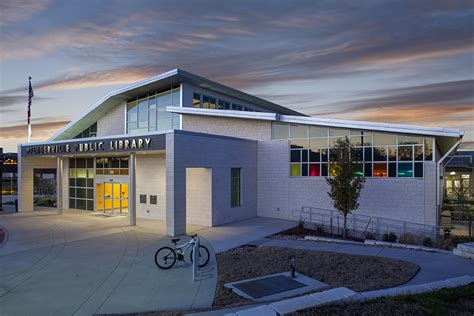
[(314, 170), (359, 169), (295, 170), (405, 169), (380, 169)]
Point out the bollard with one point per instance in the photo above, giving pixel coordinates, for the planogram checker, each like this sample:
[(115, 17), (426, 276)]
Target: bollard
[(293, 266), (16, 205)]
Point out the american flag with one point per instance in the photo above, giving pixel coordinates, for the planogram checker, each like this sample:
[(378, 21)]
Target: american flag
[(30, 96)]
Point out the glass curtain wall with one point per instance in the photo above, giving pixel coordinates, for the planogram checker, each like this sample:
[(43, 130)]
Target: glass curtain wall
[(148, 114), (381, 155)]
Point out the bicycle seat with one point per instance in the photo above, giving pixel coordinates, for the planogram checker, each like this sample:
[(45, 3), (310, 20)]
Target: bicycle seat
[(175, 240)]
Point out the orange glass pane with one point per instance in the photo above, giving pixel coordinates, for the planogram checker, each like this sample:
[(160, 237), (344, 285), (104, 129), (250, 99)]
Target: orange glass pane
[(380, 169), (100, 189)]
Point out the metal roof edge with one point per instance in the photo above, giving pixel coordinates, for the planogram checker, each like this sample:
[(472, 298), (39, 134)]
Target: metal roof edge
[(384, 127), (223, 113)]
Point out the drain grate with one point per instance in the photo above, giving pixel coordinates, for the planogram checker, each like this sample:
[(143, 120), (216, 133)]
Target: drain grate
[(268, 286)]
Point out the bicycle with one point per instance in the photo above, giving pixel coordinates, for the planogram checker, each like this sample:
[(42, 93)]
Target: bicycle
[(166, 257)]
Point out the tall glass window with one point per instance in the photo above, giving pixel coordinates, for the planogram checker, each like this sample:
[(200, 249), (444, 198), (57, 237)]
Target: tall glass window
[(81, 183), (235, 187), (148, 114)]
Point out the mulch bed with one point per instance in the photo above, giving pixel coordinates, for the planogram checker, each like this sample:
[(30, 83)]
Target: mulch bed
[(300, 232), (359, 273), (455, 301)]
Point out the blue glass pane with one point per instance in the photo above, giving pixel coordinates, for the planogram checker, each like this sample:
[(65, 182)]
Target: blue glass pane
[(405, 169)]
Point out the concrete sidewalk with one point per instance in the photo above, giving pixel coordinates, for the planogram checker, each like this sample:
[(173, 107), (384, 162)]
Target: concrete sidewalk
[(433, 266), (82, 264)]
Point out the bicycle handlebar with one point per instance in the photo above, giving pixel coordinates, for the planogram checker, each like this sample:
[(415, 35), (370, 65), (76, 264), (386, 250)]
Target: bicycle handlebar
[(192, 236)]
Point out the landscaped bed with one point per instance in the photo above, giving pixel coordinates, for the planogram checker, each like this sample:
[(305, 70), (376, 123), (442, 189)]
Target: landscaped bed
[(359, 273), (456, 301)]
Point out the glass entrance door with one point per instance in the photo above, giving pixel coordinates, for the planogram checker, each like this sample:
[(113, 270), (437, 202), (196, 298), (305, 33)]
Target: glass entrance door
[(112, 197)]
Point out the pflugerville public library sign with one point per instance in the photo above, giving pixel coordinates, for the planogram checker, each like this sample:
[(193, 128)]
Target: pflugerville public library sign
[(119, 144)]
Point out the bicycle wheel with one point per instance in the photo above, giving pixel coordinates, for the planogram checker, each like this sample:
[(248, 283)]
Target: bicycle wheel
[(203, 256), (165, 258)]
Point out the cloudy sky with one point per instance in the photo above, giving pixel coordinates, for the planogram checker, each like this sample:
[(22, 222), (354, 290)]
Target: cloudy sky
[(405, 62)]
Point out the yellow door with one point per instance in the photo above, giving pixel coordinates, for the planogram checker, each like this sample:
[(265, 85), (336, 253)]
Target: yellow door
[(108, 196), (124, 197), (116, 197), (100, 196)]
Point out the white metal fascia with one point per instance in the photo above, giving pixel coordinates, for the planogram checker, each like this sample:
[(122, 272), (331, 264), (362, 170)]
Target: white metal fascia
[(382, 127), (223, 113)]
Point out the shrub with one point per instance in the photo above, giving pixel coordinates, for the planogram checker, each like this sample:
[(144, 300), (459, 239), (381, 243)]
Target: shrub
[(427, 242), (301, 224), (407, 238), (389, 237), (369, 235), (319, 228)]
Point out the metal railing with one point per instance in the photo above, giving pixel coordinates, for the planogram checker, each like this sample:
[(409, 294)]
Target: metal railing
[(358, 224)]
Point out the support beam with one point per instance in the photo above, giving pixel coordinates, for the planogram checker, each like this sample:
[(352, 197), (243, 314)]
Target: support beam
[(59, 185), (132, 195)]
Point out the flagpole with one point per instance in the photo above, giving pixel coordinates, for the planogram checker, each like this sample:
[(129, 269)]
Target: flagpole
[(30, 97)]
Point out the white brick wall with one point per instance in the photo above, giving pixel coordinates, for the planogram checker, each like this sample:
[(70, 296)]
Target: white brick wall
[(199, 196), (151, 180), (28, 164), (113, 122), (241, 128), (411, 200)]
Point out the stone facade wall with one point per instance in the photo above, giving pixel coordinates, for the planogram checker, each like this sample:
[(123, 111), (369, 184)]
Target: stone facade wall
[(113, 122)]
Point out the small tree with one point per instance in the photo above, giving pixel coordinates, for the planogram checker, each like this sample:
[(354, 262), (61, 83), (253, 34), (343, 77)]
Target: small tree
[(345, 180), (461, 197)]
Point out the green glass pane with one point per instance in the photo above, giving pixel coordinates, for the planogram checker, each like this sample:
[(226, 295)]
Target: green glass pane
[(81, 173), (295, 170), (90, 173), (359, 170)]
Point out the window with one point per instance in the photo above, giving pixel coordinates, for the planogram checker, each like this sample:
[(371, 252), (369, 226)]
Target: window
[(91, 131), (111, 166), (196, 100), (380, 154), (81, 183), (148, 114), (235, 187)]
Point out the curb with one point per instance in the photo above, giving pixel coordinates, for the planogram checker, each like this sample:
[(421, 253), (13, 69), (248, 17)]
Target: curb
[(344, 295)]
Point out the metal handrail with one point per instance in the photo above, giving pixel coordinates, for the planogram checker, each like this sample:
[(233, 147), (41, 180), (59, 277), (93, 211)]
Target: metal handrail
[(360, 220)]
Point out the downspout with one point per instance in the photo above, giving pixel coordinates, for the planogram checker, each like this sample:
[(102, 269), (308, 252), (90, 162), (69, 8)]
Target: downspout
[(438, 165)]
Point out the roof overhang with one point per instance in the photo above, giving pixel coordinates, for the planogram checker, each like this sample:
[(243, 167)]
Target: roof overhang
[(164, 80)]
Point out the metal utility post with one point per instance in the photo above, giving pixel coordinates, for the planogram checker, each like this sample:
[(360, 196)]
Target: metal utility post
[(195, 258), (293, 266)]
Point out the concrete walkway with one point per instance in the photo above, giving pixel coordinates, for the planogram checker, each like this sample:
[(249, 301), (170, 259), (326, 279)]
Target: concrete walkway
[(433, 266), (80, 264)]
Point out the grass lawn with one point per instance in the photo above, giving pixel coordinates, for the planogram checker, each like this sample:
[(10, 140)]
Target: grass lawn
[(359, 273), (456, 301)]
